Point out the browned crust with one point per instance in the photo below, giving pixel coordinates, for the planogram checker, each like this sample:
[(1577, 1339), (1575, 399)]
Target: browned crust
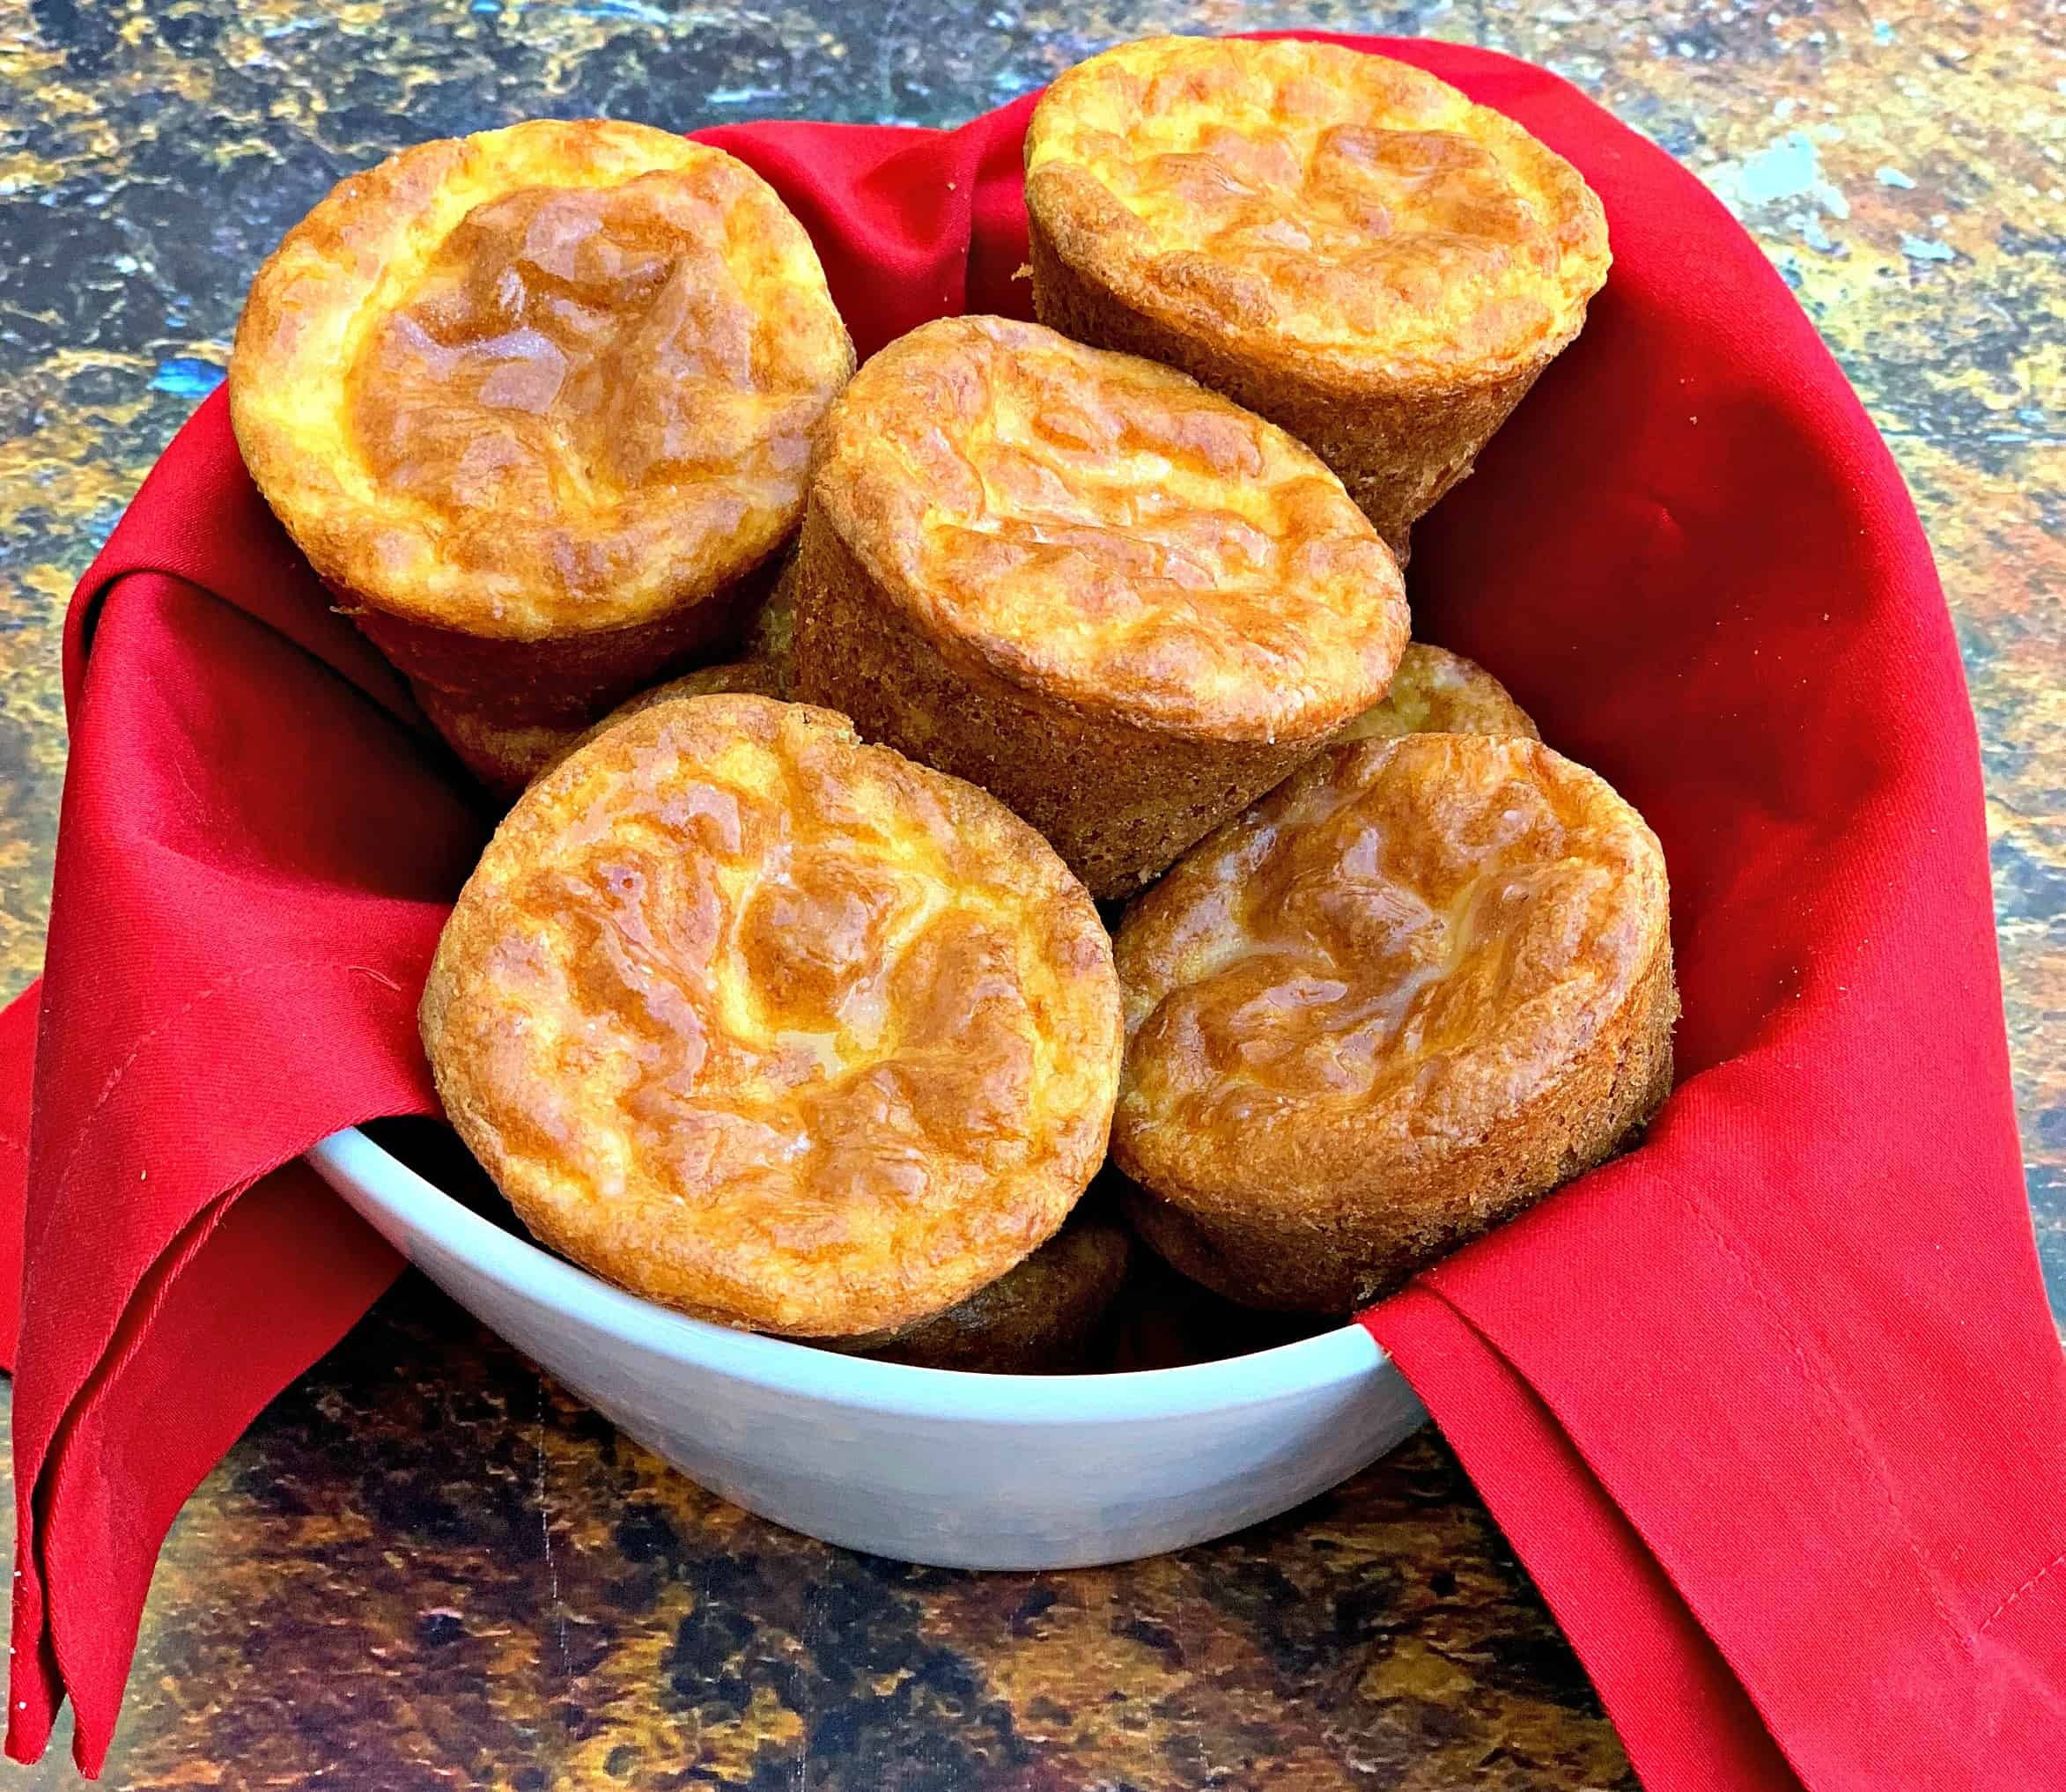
[(1421, 984), (1400, 420), (1116, 799), (1102, 530), (1043, 1317), (508, 709), (1345, 1259), (517, 1021), (1397, 446), (1437, 692), (344, 268), (519, 623), (1182, 162)]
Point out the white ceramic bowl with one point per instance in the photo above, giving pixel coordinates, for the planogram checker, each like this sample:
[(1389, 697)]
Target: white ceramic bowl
[(926, 1465)]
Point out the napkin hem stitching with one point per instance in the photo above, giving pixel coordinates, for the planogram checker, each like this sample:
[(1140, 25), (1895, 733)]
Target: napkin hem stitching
[(205, 994), (2057, 1561), (1754, 1280)]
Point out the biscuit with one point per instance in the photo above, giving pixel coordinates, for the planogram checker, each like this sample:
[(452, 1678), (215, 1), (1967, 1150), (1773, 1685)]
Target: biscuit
[(1043, 1317), (772, 1026), (1415, 988), (736, 677), (537, 405), (1116, 600), (1335, 240), (1437, 692), (508, 759)]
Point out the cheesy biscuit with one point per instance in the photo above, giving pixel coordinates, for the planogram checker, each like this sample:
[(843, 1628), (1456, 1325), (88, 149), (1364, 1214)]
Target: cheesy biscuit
[(1110, 597), (537, 405), (1413, 990), (772, 1026), (1338, 241)]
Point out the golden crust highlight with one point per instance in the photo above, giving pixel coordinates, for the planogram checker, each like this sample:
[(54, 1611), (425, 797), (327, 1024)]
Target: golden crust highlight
[(1314, 201)]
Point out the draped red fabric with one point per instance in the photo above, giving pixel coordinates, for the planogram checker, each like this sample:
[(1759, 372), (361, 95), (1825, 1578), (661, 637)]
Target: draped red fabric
[(1772, 1407)]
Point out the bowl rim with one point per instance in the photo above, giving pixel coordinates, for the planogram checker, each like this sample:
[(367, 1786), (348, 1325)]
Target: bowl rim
[(365, 1172)]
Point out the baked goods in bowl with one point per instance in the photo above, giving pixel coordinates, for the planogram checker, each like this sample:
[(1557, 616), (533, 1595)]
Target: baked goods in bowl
[(537, 405), (772, 1026), (1437, 692), (1108, 595), (519, 755), (752, 677), (1045, 1316), (1416, 987), (1341, 242), (504, 755)]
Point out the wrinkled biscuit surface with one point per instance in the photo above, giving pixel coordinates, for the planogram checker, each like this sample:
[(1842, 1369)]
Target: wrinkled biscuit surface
[(774, 1027), (1376, 965), (1332, 201), (556, 378), (1103, 530)]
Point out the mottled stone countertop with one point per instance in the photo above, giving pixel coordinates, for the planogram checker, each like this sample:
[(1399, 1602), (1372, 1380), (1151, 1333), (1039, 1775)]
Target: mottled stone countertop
[(426, 1565)]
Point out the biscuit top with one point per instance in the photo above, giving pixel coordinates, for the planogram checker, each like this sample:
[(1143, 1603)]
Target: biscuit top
[(1317, 198), (774, 1027), (1437, 692), (1405, 940), (544, 380), (1104, 530)]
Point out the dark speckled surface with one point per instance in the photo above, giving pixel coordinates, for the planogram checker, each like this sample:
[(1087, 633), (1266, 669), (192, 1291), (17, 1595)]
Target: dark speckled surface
[(425, 1566)]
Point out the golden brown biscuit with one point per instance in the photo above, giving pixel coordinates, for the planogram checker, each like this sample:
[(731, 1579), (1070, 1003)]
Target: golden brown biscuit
[(735, 677), (1339, 241), (1419, 985), (1437, 692), (1042, 1317), (778, 1029), (508, 759), (537, 405), (1109, 596)]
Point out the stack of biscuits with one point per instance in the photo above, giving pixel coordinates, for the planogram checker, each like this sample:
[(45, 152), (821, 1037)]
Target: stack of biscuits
[(976, 811)]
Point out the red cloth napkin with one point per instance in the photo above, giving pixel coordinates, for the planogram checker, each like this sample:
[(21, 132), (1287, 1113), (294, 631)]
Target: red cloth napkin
[(1772, 1408)]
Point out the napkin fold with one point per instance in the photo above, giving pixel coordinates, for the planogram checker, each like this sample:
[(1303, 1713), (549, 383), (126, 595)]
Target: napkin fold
[(1772, 1407)]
